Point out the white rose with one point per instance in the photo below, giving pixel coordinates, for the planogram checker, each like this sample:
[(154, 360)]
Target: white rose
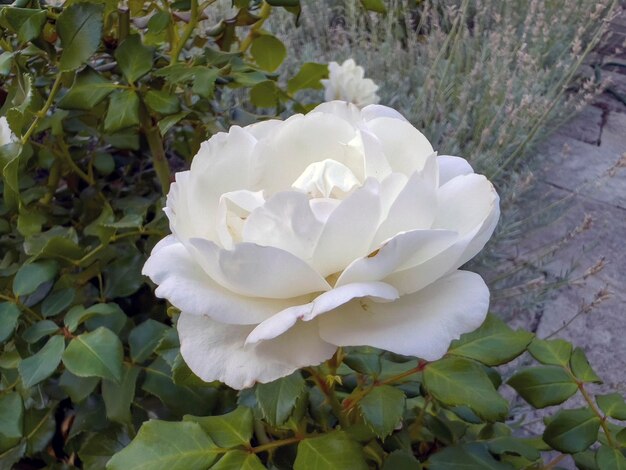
[(6, 136), (345, 82), (338, 228)]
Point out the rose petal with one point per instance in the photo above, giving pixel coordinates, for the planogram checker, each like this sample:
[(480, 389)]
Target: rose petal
[(282, 321), (405, 249), (451, 167), (349, 230), (414, 208), (258, 271), (215, 351), (183, 282), (285, 221), (373, 111), (422, 324), (300, 141), (406, 148), (469, 204), (233, 210)]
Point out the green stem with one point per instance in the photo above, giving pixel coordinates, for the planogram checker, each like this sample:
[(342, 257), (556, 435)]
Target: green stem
[(65, 153), (263, 15), (274, 444), (46, 107), (597, 412), (157, 150), (331, 397), (33, 316), (180, 43), (353, 399)]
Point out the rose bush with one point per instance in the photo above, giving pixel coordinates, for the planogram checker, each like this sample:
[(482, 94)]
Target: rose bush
[(346, 82), (341, 227)]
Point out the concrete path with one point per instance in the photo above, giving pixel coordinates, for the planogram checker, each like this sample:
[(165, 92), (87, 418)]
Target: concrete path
[(583, 165), (582, 177), (582, 181)]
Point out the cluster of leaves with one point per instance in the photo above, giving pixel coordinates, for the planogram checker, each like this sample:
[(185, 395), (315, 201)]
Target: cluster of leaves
[(105, 101), (370, 409)]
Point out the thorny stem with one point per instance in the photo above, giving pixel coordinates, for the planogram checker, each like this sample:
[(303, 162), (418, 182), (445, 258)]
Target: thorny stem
[(331, 397), (352, 400), (180, 43), (263, 15), (155, 142), (46, 107)]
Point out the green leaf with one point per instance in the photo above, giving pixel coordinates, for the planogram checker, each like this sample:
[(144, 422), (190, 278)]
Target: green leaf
[(239, 460), (118, 397), (123, 111), (134, 58), (494, 343), (40, 329), (95, 354), (77, 388), (168, 122), (268, 52), (581, 368), (122, 277), (332, 451), (554, 352), (612, 405), (26, 22), (608, 458), (572, 431), (264, 94), (515, 446), (180, 399), (401, 460), (374, 5), (309, 76), (11, 415), (8, 458), (144, 338), (79, 314), (585, 460), (89, 89), (98, 448), (382, 409), (543, 385), (456, 381), (9, 312), (79, 27), (472, 456), (39, 427), (40, 366), (30, 276), (277, 399), (229, 430), (204, 81), (58, 301), (162, 445), (364, 361), (6, 61), (158, 22), (162, 102)]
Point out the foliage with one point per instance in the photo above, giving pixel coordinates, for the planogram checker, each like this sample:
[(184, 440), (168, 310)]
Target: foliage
[(105, 103)]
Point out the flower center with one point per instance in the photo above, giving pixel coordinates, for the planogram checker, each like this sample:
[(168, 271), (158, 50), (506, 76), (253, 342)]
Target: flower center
[(326, 179)]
